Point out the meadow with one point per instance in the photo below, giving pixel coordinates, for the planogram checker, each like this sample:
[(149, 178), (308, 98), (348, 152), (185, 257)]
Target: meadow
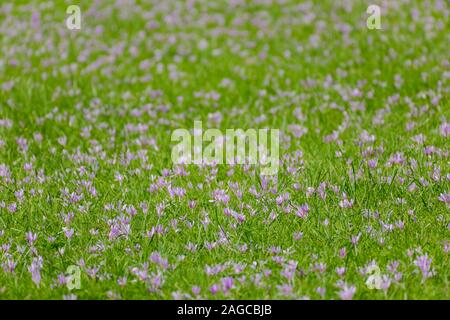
[(93, 207)]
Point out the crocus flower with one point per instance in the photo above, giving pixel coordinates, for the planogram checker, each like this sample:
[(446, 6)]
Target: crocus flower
[(444, 197), (347, 293), (35, 270), (424, 264)]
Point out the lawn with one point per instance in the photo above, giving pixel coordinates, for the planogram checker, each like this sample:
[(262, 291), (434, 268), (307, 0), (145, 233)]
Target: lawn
[(92, 205)]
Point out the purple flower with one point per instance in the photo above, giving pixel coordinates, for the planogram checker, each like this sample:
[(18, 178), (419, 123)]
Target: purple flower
[(35, 269), (355, 239), (12, 207), (302, 211), (131, 210), (396, 158), (176, 192), (372, 163), (9, 266), (61, 279), (340, 271), (119, 227), (346, 203), (220, 195), (424, 264), (192, 204), (156, 282), (444, 197), (196, 290), (214, 289), (122, 281), (342, 253), (385, 282), (320, 267), (92, 272), (445, 129), (31, 237), (285, 290), (298, 235), (19, 194), (68, 232), (227, 284), (321, 291), (347, 293)]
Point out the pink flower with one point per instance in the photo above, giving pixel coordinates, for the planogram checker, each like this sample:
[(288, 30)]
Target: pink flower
[(346, 203), (342, 253), (445, 129), (68, 232), (424, 264), (340, 271), (31, 237), (347, 293), (302, 211), (35, 270), (444, 197), (214, 289)]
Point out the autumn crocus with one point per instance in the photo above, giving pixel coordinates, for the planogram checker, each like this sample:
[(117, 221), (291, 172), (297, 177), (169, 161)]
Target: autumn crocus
[(285, 290), (192, 204), (445, 129), (302, 211), (122, 281), (9, 265), (372, 163), (321, 291), (342, 253), (347, 292), (68, 232), (424, 264), (31, 237), (345, 202), (298, 235), (214, 289), (227, 284), (12, 207), (35, 269), (444, 197), (196, 290), (340, 271)]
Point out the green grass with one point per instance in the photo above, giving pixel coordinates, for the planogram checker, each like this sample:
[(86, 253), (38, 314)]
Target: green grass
[(344, 82)]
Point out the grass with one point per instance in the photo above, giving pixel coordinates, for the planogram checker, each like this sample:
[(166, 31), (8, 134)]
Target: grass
[(87, 115)]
